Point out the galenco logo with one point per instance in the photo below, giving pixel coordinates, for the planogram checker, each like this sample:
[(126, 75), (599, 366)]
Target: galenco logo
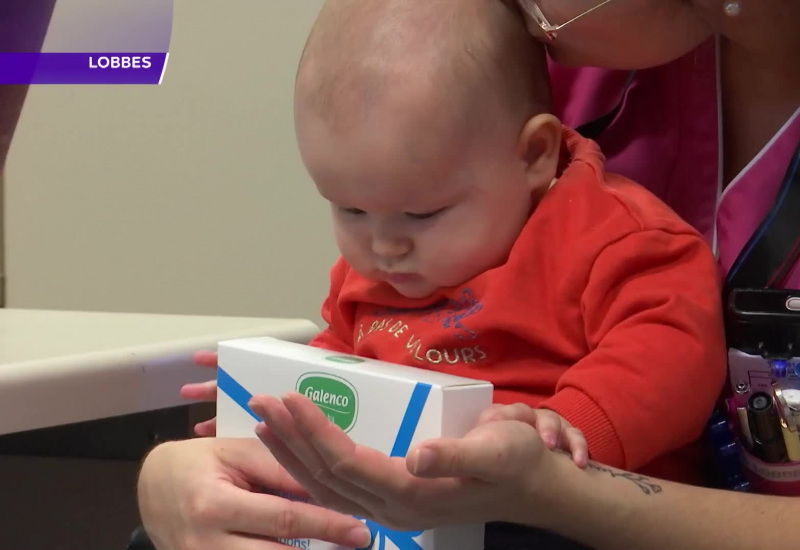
[(335, 396)]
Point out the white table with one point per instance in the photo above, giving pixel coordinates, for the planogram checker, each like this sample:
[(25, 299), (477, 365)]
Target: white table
[(60, 367), (101, 375)]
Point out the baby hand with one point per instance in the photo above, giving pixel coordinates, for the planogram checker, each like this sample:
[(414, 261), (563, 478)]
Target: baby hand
[(203, 391), (554, 430)]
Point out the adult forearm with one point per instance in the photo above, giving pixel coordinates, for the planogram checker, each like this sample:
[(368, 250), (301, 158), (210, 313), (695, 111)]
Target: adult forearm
[(609, 508)]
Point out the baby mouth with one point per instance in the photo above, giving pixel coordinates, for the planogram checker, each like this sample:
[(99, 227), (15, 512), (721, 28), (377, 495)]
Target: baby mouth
[(401, 278)]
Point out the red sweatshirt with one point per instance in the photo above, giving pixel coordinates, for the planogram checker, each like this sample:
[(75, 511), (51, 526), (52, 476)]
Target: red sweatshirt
[(607, 312)]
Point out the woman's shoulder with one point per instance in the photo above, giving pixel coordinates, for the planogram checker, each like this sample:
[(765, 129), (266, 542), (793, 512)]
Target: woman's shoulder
[(662, 131), (584, 94)]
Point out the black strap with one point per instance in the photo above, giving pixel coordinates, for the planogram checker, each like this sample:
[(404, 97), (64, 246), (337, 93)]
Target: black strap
[(509, 536), (593, 128), (772, 251)]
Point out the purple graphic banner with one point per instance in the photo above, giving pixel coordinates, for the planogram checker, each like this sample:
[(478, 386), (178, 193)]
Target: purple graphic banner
[(84, 41), (82, 68)]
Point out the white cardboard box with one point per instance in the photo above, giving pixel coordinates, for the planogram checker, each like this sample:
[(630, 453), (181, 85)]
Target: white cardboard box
[(385, 406)]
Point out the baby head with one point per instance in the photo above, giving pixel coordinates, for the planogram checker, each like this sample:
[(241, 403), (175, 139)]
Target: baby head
[(424, 123)]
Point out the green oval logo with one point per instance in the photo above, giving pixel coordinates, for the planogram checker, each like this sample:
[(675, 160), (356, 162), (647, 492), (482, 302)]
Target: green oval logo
[(335, 396), (347, 359)]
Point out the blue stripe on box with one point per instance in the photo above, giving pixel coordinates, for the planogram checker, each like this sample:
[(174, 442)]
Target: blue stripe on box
[(404, 540), (411, 419), (234, 390)]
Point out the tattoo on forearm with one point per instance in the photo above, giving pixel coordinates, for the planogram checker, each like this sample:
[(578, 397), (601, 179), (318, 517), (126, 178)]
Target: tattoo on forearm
[(647, 485), (644, 483)]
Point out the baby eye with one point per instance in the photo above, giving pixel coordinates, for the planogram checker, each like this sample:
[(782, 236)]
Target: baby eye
[(353, 211), (425, 215)]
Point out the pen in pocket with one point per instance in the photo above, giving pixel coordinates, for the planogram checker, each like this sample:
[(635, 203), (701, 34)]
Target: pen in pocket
[(765, 428)]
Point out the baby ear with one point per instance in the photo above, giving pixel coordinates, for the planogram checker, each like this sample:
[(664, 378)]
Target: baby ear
[(539, 148)]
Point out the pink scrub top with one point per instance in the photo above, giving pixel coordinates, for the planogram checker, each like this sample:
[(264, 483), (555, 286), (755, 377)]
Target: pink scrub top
[(667, 137)]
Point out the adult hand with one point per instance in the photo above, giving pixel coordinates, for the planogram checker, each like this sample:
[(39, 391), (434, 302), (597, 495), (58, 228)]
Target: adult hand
[(481, 477), (204, 494), (203, 391)]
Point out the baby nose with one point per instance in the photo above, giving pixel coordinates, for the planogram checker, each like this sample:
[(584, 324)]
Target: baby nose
[(391, 248)]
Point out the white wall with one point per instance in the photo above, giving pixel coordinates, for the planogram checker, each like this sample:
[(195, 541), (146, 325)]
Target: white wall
[(184, 198)]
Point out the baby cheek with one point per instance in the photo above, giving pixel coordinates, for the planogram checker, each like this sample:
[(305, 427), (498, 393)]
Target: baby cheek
[(456, 259), (353, 247)]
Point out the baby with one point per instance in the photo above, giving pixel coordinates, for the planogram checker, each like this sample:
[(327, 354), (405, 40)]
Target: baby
[(482, 238)]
